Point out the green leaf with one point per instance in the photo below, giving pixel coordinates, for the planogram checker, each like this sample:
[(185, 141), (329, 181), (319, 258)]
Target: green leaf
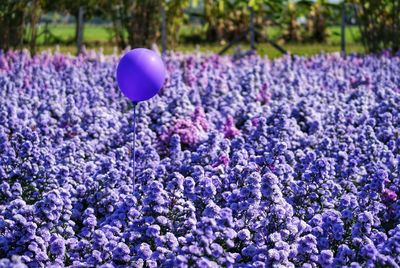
[(253, 3), (221, 5)]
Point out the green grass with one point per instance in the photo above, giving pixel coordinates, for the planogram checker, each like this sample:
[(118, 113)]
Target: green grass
[(262, 49), (66, 32), (352, 35), (267, 50), (100, 36), (107, 49)]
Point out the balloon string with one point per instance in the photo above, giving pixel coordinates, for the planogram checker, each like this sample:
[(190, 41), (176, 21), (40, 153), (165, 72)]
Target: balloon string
[(134, 143)]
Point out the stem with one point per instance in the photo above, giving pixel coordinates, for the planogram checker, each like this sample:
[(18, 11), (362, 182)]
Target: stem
[(134, 143)]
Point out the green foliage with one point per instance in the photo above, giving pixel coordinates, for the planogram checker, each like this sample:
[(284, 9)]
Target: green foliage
[(72, 6), (379, 23), (138, 22), (139, 18), (175, 18), (143, 22), (13, 14), (226, 20), (262, 48), (319, 14), (292, 29), (272, 7)]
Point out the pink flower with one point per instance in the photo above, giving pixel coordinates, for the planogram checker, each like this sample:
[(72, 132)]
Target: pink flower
[(3, 63), (255, 120), (190, 130), (222, 160), (186, 130), (389, 195), (264, 95), (199, 117), (230, 129)]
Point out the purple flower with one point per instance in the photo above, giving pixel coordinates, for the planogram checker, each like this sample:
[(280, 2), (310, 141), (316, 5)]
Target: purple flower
[(249, 251), (144, 251), (325, 258), (153, 230), (121, 252), (240, 161), (57, 247), (389, 195), (206, 263), (244, 234), (216, 250), (230, 130)]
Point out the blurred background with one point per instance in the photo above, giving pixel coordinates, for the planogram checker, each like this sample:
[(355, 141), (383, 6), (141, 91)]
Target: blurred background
[(271, 27)]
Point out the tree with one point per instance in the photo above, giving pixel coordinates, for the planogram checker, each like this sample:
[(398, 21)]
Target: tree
[(214, 10), (115, 11), (12, 23), (138, 22), (35, 12), (174, 19), (140, 19), (379, 23), (317, 19), (72, 7), (227, 19), (267, 12), (292, 29), (144, 23)]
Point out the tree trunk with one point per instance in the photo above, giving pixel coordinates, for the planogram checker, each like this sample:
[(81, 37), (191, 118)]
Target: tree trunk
[(342, 32), (76, 17), (118, 29), (379, 24), (80, 24), (251, 30), (144, 23), (34, 20), (163, 30), (210, 21)]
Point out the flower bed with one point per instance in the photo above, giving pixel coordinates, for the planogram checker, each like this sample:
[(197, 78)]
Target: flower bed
[(241, 163)]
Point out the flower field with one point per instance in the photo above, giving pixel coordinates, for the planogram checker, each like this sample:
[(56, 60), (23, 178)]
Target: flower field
[(240, 163)]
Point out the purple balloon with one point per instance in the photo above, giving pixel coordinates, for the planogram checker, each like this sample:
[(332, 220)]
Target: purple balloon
[(140, 74)]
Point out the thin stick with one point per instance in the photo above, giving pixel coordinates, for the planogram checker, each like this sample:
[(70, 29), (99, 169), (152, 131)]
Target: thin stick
[(134, 143)]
